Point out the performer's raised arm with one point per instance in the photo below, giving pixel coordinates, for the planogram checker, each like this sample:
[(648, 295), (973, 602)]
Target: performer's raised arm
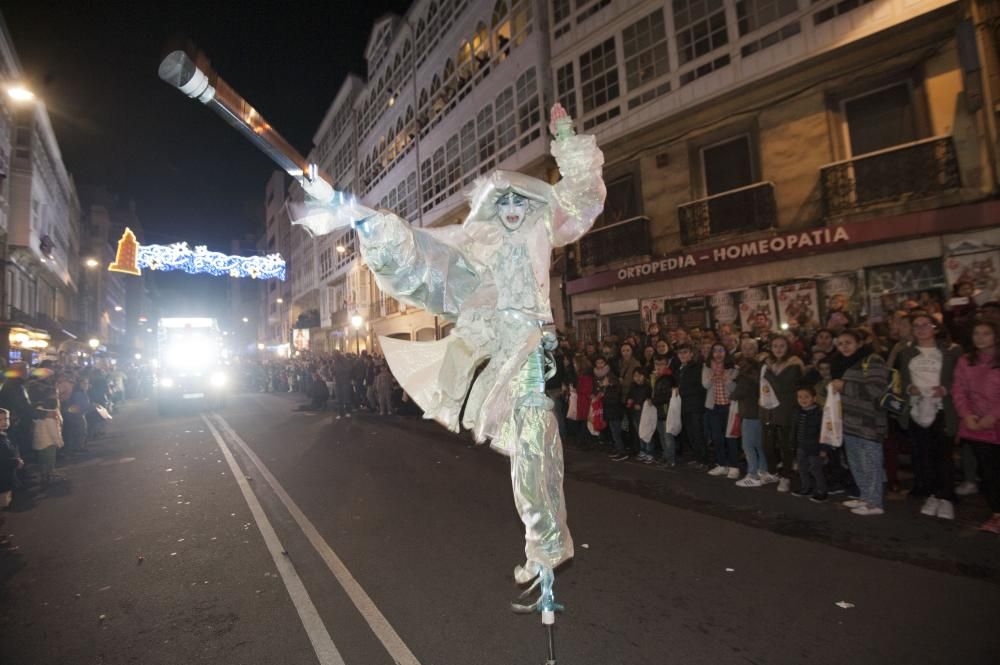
[(579, 196)]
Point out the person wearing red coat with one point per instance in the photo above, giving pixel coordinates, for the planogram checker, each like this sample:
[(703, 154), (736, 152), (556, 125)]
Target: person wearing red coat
[(584, 391)]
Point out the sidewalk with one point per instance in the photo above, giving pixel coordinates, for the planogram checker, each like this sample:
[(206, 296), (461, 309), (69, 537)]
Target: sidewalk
[(902, 534)]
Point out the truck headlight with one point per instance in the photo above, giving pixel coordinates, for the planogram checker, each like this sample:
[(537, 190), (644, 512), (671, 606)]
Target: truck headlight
[(166, 382), (218, 379)]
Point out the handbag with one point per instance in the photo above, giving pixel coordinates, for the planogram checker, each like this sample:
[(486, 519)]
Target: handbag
[(734, 422), (673, 424), (647, 422), (831, 430), (768, 399), (893, 400)]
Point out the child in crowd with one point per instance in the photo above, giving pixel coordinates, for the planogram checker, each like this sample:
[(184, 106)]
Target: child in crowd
[(810, 456), (48, 437), (663, 389), (10, 461), (638, 393)]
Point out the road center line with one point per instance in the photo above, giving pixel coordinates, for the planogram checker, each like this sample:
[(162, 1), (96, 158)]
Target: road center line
[(326, 650), (383, 630)]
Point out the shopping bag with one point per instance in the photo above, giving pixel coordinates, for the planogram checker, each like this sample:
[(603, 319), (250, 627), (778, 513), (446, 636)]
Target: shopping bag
[(673, 424), (832, 428), (595, 419), (734, 422), (647, 422), (571, 411), (768, 399)]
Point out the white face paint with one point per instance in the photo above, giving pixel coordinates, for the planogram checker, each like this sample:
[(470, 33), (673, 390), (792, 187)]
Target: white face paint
[(512, 209)]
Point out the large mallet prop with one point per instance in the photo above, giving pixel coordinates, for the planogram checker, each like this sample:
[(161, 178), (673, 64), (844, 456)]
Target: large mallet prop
[(199, 81)]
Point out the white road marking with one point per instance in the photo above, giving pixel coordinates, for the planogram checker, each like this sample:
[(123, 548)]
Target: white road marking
[(383, 630), (326, 650)]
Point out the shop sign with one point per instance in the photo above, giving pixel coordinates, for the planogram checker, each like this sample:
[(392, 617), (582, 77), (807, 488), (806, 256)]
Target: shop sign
[(789, 245)]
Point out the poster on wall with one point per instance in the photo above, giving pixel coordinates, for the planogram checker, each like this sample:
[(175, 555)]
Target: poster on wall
[(725, 309), (918, 284), (650, 311), (685, 312), (300, 339), (757, 311), (798, 305), (842, 299), (982, 268)]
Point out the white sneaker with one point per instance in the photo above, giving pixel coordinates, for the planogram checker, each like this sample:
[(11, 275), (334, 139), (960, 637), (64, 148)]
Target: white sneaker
[(966, 488), (930, 506), (338, 417), (853, 503), (784, 485), (718, 470), (945, 509), (867, 510), (734, 473), (749, 481), (768, 478)]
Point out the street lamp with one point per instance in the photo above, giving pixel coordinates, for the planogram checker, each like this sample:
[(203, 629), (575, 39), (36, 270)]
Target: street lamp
[(91, 262), (280, 300), (19, 93), (93, 343), (138, 356), (341, 249), (118, 308), (246, 320), (357, 322)]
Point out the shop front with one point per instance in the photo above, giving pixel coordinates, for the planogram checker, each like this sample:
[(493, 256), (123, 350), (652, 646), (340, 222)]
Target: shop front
[(801, 279), (23, 344)]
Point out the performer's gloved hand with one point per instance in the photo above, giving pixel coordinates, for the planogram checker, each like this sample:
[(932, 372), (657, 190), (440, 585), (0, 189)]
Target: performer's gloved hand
[(560, 124), (318, 189)]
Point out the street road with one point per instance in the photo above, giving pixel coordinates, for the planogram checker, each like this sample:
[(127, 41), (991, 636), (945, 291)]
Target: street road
[(258, 534)]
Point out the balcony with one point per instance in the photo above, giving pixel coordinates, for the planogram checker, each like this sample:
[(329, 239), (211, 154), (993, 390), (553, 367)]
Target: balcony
[(894, 175), (741, 210), (615, 242)]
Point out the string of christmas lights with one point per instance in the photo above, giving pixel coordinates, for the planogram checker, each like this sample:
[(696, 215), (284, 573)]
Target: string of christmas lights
[(178, 256)]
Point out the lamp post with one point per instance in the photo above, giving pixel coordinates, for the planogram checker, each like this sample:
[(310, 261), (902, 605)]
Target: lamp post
[(357, 322)]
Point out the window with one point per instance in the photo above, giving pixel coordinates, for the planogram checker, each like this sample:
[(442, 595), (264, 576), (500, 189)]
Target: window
[(438, 162), (621, 203), (701, 27), (645, 45), (560, 10), (411, 193), (727, 165), (468, 136), (880, 119), (752, 15), (453, 167), (566, 88), (506, 130), (833, 11), (599, 76), (528, 109), (487, 135)]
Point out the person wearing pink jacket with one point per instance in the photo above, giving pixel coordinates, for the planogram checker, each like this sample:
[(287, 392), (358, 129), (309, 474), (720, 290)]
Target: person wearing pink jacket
[(976, 393)]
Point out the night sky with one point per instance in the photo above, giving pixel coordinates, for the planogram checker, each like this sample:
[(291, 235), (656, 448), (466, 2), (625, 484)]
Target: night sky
[(191, 176)]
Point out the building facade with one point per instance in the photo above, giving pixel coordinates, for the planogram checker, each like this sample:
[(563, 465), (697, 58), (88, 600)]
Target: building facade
[(275, 320)]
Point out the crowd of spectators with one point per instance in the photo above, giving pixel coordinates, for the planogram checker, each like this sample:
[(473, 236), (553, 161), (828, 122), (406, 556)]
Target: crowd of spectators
[(920, 388)]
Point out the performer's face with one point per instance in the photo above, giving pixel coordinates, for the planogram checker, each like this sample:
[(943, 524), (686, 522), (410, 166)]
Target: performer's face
[(512, 209)]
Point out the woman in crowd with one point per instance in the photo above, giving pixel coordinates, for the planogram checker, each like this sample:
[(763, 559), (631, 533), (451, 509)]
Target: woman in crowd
[(627, 364), (861, 377), (927, 369), (718, 375), (781, 376), (975, 392), (583, 371), (746, 392)]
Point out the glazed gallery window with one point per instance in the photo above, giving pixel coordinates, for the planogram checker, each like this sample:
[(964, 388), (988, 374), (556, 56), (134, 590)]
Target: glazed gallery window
[(752, 15), (645, 46), (700, 26), (566, 88), (528, 107), (599, 76)]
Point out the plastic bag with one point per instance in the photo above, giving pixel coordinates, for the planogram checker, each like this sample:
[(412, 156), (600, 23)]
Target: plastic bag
[(571, 412), (647, 422), (831, 430), (674, 415), (102, 412), (734, 421), (768, 399), (595, 419)]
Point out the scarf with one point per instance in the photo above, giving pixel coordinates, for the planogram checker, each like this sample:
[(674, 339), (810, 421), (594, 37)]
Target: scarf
[(603, 372), (840, 363)]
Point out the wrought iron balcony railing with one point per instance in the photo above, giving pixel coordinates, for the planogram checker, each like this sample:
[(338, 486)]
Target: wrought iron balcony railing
[(749, 208), (615, 242), (893, 175)]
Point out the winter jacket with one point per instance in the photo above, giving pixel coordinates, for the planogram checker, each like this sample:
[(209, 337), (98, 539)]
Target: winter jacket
[(48, 431), (584, 390), (976, 391), (692, 391), (625, 372), (785, 382), (639, 393), (746, 390), (950, 353), (864, 383), (663, 390), (614, 407), (729, 381), (806, 428)]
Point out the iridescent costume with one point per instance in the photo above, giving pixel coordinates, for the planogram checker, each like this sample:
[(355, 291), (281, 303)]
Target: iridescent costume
[(493, 282)]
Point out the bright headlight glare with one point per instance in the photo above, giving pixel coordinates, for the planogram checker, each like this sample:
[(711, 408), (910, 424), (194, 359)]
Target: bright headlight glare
[(218, 379), (166, 382)]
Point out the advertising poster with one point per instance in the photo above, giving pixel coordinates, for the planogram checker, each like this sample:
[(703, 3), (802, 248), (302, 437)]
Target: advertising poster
[(757, 311), (686, 312), (650, 311), (725, 308), (904, 286), (798, 304), (300, 339), (982, 268), (841, 294)]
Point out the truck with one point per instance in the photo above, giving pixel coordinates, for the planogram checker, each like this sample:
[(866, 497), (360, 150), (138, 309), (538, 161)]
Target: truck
[(191, 365)]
